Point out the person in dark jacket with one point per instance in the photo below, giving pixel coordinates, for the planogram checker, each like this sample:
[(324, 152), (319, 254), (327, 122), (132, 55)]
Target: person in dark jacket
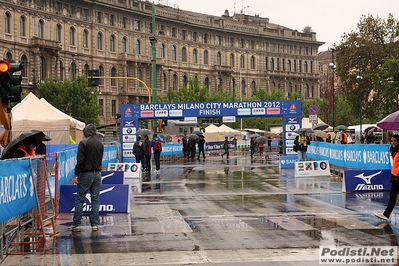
[(157, 154), (253, 147), (185, 146), (139, 151), (88, 166), (201, 147), (41, 148), (191, 149), (226, 145), (148, 152)]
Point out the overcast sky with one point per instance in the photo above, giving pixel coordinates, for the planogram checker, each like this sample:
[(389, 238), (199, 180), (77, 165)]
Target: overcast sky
[(329, 19)]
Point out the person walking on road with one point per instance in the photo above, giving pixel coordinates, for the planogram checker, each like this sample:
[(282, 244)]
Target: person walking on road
[(148, 152), (201, 147), (226, 147), (139, 151), (393, 194), (157, 148), (89, 166), (253, 146)]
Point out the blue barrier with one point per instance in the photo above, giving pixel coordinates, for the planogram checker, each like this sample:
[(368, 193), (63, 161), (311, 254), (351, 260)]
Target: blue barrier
[(355, 156)]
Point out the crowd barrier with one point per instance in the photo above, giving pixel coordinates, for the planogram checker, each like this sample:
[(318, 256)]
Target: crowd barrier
[(352, 156)]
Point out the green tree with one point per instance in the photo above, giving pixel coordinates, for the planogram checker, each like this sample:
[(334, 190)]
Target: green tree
[(67, 95), (360, 57), (307, 30)]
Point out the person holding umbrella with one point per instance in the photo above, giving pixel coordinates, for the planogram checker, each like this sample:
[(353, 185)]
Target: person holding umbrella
[(302, 141), (253, 146), (201, 147), (147, 158), (226, 147)]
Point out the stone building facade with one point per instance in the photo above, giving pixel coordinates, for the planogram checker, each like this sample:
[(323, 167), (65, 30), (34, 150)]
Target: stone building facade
[(238, 53)]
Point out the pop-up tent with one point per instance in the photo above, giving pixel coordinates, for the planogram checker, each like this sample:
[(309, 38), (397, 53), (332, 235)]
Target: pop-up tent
[(33, 113)]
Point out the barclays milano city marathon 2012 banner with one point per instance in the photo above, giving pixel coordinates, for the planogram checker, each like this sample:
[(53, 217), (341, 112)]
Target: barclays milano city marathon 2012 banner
[(354, 156)]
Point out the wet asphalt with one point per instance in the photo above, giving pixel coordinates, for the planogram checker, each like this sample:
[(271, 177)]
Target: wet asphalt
[(218, 211)]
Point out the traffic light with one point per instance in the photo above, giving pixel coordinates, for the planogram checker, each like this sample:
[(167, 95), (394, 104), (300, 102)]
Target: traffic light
[(10, 84), (94, 82), (15, 83)]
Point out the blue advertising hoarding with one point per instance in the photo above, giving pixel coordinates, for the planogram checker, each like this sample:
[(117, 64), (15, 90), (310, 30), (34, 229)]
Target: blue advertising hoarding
[(291, 110), (366, 180)]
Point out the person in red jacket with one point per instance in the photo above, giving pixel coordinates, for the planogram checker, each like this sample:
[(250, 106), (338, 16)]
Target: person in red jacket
[(393, 194)]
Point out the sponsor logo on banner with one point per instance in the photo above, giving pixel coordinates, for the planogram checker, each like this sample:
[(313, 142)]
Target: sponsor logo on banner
[(128, 146), (128, 153), (129, 138), (366, 180), (176, 113), (312, 168), (244, 111), (128, 123), (161, 113), (113, 198), (190, 119), (149, 113), (112, 177), (288, 162), (129, 130), (259, 111), (227, 119), (290, 135), (128, 112), (289, 142), (293, 108), (292, 127), (292, 120), (273, 111)]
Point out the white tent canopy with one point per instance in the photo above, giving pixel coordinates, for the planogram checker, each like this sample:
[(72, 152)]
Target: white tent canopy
[(74, 123), (33, 113), (211, 129), (225, 129)]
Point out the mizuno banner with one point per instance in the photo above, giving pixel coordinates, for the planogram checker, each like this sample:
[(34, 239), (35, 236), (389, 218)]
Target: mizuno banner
[(366, 180)]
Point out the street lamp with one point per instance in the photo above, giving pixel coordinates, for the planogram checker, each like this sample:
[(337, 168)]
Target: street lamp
[(360, 77), (332, 89), (76, 107)]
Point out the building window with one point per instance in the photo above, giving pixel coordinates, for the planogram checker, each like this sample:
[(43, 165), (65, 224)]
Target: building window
[(40, 29), (242, 43), (99, 17), (113, 74), (72, 11), (305, 67), (272, 47), (58, 32), (113, 108), (185, 81), (101, 68), (137, 25), (195, 36), (195, 56), (85, 38), (112, 43), (85, 13), (232, 60), (219, 59), (174, 32), (206, 59), (253, 88), (252, 44), (206, 83), (289, 67), (112, 20), (206, 38), (124, 45), (101, 104), (253, 62), (183, 34), (271, 63), (174, 55), (43, 69), (7, 22), (24, 63), (138, 47), (243, 87), (232, 42), (99, 41), (124, 22), (72, 36), (22, 26), (174, 83), (218, 40), (184, 54), (58, 6), (242, 61), (162, 50)]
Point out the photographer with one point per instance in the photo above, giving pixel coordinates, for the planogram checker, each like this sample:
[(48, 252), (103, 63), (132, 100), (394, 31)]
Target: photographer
[(302, 141)]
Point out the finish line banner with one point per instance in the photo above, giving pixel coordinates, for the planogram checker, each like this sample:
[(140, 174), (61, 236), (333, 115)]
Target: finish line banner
[(366, 180)]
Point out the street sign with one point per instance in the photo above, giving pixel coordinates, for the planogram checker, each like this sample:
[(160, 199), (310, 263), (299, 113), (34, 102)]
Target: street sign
[(313, 119), (313, 110)]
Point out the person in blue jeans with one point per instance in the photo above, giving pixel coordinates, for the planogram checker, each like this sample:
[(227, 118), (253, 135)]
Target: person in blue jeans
[(89, 166)]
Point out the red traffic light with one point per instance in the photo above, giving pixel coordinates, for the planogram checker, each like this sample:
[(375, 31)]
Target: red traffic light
[(4, 67)]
